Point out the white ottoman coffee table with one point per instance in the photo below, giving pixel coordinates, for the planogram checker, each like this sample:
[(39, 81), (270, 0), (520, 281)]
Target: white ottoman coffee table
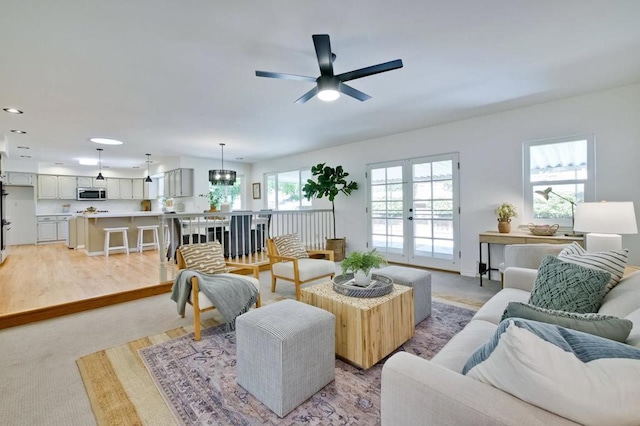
[(285, 353)]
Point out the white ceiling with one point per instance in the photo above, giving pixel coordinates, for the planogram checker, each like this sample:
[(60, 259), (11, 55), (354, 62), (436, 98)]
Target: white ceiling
[(175, 78)]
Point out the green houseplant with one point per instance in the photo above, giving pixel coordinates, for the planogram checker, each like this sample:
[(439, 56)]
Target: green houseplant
[(505, 212), (329, 182), (361, 263)]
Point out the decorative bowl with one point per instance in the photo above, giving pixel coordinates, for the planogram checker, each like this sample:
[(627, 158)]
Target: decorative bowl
[(380, 286), (543, 230)]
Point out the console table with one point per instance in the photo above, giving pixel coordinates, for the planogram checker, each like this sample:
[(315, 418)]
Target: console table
[(515, 237)]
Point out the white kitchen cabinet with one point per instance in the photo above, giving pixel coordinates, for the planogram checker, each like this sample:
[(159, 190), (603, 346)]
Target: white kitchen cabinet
[(67, 188), (150, 191), (47, 229), (85, 182), (178, 183), (19, 178), (113, 188), (99, 183), (62, 227), (47, 187), (53, 228), (126, 189), (137, 186)]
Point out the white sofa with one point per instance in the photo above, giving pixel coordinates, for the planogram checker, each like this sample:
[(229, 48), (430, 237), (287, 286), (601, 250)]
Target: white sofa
[(420, 392)]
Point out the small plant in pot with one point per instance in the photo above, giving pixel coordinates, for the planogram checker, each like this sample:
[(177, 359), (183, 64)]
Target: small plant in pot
[(361, 263), (505, 212)]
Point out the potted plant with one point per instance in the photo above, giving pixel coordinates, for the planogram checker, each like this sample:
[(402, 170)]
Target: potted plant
[(330, 182), (505, 212), (214, 200), (361, 264)]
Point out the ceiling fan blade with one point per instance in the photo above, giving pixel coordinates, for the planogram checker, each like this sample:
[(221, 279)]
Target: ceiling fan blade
[(354, 93), (304, 98), (285, 76), (374, 69), (323, 52)]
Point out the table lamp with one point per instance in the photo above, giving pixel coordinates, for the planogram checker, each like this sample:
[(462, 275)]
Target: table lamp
[(604, 222)]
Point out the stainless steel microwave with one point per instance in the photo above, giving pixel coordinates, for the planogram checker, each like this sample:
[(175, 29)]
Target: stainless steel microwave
[(92, 194)]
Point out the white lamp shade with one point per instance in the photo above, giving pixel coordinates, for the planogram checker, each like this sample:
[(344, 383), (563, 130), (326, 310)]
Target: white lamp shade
[(606, 218)]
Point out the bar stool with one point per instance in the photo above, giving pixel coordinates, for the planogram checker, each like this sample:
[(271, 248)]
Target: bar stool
[(156, 241), (107, 240)]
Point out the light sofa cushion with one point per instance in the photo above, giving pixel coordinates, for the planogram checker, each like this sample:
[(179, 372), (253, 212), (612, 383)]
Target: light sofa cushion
[(494, 308), (291, 246), (568, 287), (613, 261), (458, 350), (623, 298), (307, 268), (204, 257), (576, 375), (634, 336), (606, 326)]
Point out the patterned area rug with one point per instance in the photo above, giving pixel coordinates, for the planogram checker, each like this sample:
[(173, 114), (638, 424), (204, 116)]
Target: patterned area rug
[(197, 380)]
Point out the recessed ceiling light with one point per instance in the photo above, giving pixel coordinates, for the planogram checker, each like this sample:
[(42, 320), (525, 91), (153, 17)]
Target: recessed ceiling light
[(105, 141), (12, 111), (239, 158), (23, 147), (88, 162), (59, 164), (136, 167), (20, 132), (105, 167), (25, 156)]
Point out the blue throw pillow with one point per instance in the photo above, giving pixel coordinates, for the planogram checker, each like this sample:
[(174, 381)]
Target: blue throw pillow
[(568, 287)]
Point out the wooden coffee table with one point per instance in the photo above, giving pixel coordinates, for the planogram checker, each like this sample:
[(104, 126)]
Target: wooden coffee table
[(367, 329)]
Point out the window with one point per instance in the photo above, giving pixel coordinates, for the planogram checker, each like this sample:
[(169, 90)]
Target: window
[(284, 190), (233, 194), (567, 166)]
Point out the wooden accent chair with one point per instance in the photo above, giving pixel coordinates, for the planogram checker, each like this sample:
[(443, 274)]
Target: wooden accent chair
[(299, 271), (201, 302)]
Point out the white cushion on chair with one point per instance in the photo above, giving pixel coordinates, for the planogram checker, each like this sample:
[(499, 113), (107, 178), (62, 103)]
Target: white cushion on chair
[(309, 268), (206, 303)]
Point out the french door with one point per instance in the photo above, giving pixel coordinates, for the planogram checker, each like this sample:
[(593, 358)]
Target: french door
[(414, 210)]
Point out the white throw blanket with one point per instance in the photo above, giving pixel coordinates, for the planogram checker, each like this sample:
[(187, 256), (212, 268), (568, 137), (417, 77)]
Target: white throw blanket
[(231, 295)]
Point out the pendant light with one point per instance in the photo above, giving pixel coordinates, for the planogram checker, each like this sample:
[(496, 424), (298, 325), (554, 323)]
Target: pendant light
[(222, 176), (148, 179), (99, 177)]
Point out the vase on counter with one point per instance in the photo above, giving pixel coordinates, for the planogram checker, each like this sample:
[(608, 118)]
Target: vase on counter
[(504, 226)]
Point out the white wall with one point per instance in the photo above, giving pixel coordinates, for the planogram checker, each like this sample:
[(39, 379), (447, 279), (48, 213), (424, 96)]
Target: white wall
[(490, 150)]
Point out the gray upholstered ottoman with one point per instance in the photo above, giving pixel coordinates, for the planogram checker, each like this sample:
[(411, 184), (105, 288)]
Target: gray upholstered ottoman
[(285, 353), (420, 281)]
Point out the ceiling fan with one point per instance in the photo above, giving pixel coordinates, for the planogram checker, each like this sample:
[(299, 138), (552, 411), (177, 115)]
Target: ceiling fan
[(328, 85)]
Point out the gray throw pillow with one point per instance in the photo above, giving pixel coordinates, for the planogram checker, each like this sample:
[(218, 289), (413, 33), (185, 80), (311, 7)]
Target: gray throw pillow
[(568, 287), (606, 326)]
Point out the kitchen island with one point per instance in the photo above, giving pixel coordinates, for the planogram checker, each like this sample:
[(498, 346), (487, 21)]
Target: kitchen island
[(94, 224)]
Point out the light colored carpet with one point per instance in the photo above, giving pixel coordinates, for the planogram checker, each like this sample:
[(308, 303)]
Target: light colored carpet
[(40, 383)]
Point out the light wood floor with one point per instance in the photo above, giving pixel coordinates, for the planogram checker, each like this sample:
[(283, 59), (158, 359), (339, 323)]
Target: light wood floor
[(45, 281)]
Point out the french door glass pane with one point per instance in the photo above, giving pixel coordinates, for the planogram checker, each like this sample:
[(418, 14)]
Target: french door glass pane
[(387, 209)]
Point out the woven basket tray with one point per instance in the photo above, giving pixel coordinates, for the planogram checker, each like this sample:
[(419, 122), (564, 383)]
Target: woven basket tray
[(543, 230), (380, 285)]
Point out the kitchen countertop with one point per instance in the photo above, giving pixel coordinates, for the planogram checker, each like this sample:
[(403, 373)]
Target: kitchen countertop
[(119, 214)]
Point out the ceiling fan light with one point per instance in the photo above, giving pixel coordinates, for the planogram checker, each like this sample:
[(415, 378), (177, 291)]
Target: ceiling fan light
[(328, 95)]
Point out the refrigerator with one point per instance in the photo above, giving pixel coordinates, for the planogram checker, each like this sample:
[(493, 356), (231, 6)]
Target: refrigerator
[(4, 224)]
